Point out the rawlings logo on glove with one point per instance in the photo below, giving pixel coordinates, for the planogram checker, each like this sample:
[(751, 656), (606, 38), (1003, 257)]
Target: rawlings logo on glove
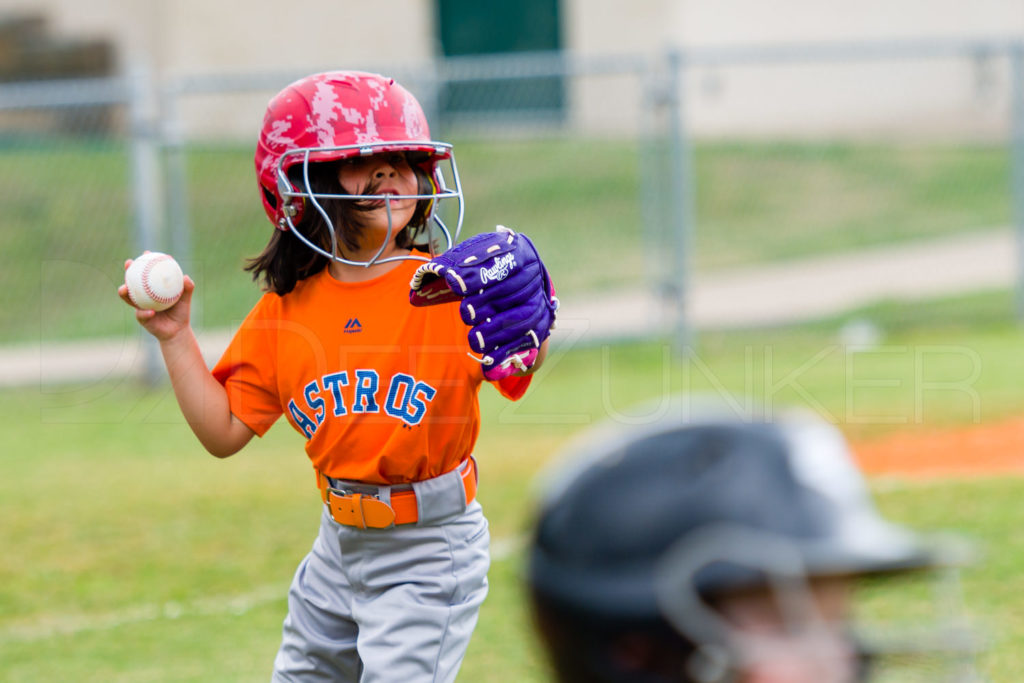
[(505, 292), (500, 269)]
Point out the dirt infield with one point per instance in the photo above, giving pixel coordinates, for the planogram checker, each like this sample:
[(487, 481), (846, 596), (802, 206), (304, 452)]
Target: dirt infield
[(977, 450)]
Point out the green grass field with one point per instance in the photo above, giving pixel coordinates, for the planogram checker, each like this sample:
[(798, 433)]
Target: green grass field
[(131, 555), (68, 222)]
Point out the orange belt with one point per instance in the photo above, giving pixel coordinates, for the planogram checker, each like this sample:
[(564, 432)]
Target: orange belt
[(367, 511)]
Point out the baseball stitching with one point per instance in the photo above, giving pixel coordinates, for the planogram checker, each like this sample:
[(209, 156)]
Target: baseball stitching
[(145, 281)]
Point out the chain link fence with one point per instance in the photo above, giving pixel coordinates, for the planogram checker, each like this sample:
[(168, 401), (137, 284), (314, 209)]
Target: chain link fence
[(170, 168), (524, 159), (66, 161), (631, 173)]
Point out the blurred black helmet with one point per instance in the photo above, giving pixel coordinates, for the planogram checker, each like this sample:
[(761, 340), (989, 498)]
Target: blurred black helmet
[(646, 526), (603, 529)]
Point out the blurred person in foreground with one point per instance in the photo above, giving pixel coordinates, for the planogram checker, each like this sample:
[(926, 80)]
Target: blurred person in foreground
[(715, 549)]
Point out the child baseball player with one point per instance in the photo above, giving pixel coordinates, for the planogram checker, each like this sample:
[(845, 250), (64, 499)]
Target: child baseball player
[(348, 345)]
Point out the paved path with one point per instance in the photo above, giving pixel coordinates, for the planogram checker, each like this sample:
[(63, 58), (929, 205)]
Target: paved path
[(762, 295), (803, 290)]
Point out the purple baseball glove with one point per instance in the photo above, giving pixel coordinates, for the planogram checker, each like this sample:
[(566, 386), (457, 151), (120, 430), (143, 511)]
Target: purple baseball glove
[(506, 294)]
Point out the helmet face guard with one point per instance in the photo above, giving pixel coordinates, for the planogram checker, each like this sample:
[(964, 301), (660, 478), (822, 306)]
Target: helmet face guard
[(437, 237), (937, 642), (808, 635), (338, 115)]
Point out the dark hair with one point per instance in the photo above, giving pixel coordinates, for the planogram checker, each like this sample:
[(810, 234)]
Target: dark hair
[(286, 259), (585, 647)]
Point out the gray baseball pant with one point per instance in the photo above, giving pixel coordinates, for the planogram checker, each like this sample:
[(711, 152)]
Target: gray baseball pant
[(385, 605)]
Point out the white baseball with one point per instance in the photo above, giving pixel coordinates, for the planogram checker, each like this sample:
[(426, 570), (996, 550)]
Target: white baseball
[(155, 281)]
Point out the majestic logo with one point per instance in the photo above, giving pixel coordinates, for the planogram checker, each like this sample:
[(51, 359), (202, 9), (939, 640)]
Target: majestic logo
[(503, 265), (353, 325)]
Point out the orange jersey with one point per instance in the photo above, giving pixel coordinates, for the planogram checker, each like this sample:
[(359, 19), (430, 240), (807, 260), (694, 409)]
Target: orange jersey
[(383, 391)]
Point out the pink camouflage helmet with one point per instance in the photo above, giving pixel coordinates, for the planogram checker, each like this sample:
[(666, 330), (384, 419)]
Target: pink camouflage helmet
[(337, 115)]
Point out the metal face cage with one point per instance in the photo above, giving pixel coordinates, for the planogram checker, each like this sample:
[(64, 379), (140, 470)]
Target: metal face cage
[(438, 234)]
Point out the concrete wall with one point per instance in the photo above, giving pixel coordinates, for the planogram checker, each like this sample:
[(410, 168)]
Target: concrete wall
[(203, 36), (199, 37), (928, 97)]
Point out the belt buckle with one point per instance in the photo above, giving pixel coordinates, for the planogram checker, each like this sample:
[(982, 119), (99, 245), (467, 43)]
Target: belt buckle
[(360, 510)]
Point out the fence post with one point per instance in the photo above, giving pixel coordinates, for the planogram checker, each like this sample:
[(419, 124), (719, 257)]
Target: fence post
[(432, 82), (175, 192), (146, 188), (681, 189), (1017, 165)]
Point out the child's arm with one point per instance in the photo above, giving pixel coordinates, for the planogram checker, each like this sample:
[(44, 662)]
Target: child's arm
[(203, 401)]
